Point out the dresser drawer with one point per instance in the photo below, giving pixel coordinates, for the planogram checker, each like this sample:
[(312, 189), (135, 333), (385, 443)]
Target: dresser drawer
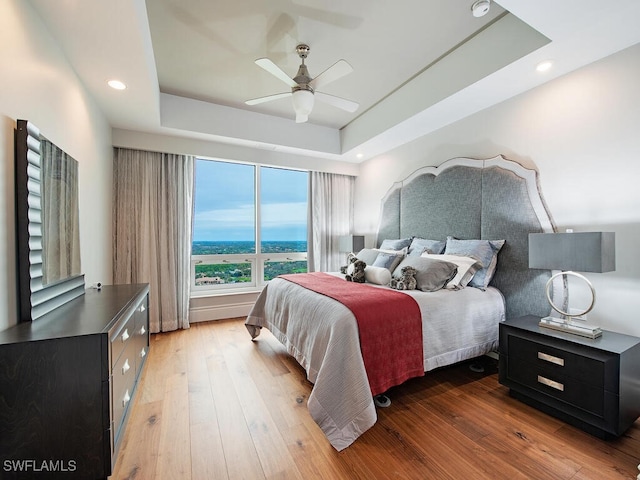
[(141, 334), (122, 381), (558, 362), (121, 338), (554, 383)]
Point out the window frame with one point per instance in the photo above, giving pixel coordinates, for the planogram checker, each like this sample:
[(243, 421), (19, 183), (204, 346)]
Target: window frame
[(257, 259)]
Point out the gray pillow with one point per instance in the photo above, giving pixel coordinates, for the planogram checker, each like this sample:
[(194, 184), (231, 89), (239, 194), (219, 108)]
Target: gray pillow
[(484, 250), (388, 260), (368, 255), (395, 244), (419, 245), (432, 274)]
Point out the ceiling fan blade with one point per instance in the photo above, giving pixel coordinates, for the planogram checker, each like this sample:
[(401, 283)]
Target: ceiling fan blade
[(334, 72), (339, 102), (276, 71), (268, 98)]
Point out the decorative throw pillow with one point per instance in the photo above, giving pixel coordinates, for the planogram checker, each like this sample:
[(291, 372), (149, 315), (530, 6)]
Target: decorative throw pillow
[(431, 274), (377, 275), (484, 250), (398, 244), (421, 245), (467, 267), (368, 255), (388, 260)]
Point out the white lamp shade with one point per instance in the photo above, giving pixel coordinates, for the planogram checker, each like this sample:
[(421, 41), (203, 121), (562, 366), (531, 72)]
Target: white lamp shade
[(303, 101)]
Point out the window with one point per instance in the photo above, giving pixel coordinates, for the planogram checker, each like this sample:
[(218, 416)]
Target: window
[(250, 224)]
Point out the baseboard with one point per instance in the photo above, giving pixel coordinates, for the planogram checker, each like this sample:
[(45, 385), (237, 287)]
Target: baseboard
[(219, 312)]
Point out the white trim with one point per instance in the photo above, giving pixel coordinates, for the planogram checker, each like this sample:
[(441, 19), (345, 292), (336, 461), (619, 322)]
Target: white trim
[(530, 176), (219, 312)]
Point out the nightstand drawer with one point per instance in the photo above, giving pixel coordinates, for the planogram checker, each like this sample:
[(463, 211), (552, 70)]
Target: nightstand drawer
[(558, 362), (549, 381)]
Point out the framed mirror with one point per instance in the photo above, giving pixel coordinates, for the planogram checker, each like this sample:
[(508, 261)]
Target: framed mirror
[(47, 224)]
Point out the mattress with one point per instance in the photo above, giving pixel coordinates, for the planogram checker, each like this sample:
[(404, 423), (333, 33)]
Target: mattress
[(322, 335)]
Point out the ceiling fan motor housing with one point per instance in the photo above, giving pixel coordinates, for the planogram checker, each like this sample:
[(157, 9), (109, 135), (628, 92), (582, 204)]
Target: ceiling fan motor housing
[(302, 78)]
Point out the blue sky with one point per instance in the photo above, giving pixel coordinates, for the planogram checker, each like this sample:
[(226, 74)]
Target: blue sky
[(224, 202)]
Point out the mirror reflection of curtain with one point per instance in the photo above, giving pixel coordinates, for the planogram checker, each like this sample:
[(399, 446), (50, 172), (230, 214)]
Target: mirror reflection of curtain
[(331, 199), (60, 222), (152, 211)]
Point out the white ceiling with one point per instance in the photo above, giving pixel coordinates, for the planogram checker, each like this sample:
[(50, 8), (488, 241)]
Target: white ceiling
[(418, 64)]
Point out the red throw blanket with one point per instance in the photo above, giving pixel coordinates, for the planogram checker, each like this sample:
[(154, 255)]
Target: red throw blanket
[(389, 324)]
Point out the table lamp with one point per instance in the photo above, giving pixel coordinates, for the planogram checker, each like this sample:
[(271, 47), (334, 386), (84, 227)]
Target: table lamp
[(571, 252)]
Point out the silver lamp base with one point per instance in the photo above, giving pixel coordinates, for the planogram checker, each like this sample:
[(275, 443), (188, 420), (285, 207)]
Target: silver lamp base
[(568, 326)]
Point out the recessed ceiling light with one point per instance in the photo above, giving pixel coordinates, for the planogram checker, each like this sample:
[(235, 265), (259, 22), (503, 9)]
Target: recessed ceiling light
[(360, 155), (116, 84), (480, 8), (544, 66)]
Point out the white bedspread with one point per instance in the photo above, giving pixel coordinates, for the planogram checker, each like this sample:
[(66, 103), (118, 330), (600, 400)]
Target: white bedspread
[(322, 335)]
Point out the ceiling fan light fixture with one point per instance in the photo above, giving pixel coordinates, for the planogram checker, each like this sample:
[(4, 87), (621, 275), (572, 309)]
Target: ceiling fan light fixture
[(481, 8), (302, 104)]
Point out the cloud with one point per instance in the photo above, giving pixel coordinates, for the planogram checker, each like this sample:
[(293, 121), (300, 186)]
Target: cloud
[(284, 221)]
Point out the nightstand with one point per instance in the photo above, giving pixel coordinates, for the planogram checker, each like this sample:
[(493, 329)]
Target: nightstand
[(593, 384)]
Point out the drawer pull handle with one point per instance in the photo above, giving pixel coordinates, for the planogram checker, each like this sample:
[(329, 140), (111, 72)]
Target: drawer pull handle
[(551, 383), (125, 335), (126, 366), (551, 359), (126, 398), (143, 353), (143, 330), (142, 308)]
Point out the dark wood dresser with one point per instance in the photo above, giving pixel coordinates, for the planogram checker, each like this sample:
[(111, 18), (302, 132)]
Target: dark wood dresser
[(593, 384), (66, 383)]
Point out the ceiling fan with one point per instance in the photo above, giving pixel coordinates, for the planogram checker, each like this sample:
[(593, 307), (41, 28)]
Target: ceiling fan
[(304, 88)]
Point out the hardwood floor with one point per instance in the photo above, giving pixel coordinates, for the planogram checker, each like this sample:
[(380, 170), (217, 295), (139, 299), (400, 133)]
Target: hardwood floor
[(214, 405)]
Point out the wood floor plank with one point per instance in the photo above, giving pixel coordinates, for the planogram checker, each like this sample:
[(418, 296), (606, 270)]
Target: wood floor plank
[(267, 439), (240, 453), (140, 448), (212, 404), (207, 451), (174, 458)]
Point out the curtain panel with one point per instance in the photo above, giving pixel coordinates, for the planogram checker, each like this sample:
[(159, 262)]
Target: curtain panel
[(330, 216), (152, 214)]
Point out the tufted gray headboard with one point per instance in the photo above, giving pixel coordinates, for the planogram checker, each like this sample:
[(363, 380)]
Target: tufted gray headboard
[(490, 199)]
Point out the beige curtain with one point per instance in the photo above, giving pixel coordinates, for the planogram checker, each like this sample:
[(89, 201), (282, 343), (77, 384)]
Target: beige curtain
[(330, 216), (153, 204)]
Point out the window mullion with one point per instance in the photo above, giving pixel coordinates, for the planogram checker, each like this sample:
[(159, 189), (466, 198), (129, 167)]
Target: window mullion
[(259, 263)]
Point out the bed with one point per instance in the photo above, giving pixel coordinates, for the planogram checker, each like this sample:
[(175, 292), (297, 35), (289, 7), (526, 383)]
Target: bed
[(494, 200)]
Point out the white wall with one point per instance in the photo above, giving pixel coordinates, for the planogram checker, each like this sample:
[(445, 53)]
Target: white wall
[(38, 84), (582, 133), (211, 149)]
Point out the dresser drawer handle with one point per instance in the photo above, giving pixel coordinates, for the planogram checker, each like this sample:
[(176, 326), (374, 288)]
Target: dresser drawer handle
[(126, 398), (126, 366), (143, 330), (550, 358), (143, 353), (125, 335), (551, 383)]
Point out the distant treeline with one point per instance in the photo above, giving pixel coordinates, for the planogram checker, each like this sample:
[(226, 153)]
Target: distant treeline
[(227, 247)]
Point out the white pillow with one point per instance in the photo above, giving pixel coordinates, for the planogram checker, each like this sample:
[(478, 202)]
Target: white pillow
[(467, 267), (377, 275)]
